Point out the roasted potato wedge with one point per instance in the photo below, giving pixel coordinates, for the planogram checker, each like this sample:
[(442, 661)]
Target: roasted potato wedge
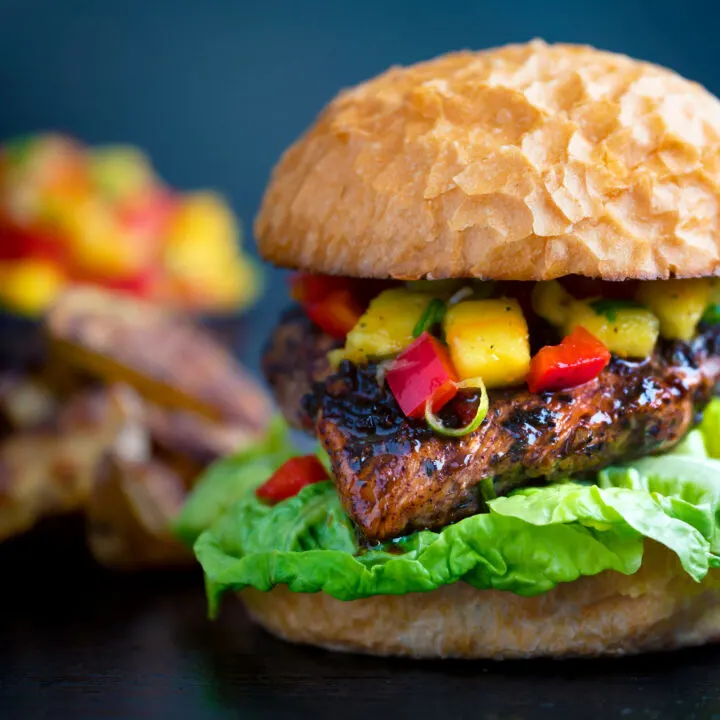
[(129, 512), (170, 361), (51, 471)]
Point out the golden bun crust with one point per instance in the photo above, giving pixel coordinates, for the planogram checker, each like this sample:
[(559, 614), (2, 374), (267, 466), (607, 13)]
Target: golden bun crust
[(658, 608), (525, 162)]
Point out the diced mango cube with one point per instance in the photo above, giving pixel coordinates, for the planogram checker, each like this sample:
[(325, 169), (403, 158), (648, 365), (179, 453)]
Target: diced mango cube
[(96, 242), (202, 254), (552, 302), (29, 286), (387, 325), (625, 330), (203, 223), (489, 339), (678, 304)]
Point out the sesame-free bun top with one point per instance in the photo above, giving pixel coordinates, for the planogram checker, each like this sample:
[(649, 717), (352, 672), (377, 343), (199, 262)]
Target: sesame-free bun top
[(525, 162)]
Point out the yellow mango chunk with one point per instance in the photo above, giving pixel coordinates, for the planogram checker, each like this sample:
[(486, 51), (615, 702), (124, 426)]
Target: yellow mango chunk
[(678, 304), (489, 339), (202, 252), (551, 301), (96, 242), (30, 286), (387, 325), (203, 224), (625, 331)]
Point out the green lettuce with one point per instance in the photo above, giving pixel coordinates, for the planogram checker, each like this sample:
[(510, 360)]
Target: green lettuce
[(527, 543), (230, 478)]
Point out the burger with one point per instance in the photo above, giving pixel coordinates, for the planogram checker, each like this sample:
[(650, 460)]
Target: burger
[(504, 341)]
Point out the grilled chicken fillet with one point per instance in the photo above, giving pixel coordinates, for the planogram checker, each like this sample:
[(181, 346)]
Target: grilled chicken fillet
[(394, 475)]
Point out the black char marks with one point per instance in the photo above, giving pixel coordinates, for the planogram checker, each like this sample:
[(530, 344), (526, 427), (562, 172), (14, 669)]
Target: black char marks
[(394, 475), (294, 361)]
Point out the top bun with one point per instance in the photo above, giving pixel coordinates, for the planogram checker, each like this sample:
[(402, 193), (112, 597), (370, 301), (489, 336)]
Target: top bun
[(526, 162)]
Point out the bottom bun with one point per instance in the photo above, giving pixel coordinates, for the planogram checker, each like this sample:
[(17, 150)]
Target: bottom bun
[(658, 608)]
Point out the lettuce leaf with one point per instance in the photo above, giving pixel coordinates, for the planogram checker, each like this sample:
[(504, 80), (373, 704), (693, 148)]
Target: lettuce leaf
[(528, 543), (230, 478)]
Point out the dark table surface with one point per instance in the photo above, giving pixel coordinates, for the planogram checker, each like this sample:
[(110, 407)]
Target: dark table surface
[(77, 641), (82, 642)]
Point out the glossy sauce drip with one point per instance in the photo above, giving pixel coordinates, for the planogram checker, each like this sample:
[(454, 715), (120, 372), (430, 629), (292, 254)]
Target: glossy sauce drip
[(395, 474)]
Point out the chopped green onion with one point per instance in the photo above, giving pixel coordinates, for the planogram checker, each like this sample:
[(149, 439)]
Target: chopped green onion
[(433, 315), (437, 424), (609, 308), (711, 316), (487, 489)]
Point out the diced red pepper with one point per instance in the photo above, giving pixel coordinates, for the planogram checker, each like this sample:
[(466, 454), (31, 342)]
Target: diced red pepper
[(308, 288), (141, 284), (422, 371), (291, 477), (150, 214), (18, 243), (335, 302), (578, 358), (337, 313)]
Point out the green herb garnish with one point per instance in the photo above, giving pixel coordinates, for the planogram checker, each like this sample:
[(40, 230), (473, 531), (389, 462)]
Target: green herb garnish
[(441, 429), (711, 316), (609, 308), (433, 315)]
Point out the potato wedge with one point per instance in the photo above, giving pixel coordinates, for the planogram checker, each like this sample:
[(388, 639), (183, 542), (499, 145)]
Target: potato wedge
[(129, 513), (50, 472), (167, 359)]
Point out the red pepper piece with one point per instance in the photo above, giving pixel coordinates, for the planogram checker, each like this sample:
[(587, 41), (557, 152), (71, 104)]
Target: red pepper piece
[(308, 288), (337, 313), (142, 284), (422, 370), (17, 243), (291, 477), (335, 302), (150, 214), (578, 358)]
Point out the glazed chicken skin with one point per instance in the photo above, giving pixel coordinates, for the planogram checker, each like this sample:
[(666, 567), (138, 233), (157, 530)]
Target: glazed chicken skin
[(394, 475)]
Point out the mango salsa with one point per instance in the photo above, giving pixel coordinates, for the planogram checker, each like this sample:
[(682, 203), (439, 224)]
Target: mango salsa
[(489, 339), (678, 304), (387, 325), (551, 301), (104, 217), (626, 330), (29, 285)]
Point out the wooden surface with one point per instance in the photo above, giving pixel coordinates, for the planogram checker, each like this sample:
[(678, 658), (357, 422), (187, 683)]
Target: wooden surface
[(79, 642)]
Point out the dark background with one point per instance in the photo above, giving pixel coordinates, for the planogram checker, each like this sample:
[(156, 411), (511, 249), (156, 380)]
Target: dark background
[(215, 90)]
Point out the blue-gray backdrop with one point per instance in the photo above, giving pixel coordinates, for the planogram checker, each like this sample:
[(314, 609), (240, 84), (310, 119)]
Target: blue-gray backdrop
[(215, 89)]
